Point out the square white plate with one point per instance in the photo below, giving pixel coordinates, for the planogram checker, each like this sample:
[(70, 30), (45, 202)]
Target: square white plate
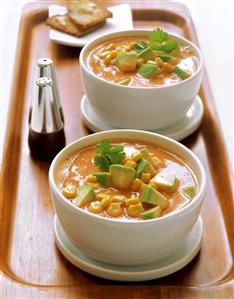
[(121, 20)]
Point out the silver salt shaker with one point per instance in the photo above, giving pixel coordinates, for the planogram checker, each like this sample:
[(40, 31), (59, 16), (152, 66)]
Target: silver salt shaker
[(45, 68), (46, 133)]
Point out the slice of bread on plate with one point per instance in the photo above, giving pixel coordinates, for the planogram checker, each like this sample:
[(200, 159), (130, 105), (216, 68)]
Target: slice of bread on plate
[(64, 24), (86, 14)]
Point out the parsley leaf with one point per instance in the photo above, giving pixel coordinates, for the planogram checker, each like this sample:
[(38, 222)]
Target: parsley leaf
[(108, 155), (158, 35)]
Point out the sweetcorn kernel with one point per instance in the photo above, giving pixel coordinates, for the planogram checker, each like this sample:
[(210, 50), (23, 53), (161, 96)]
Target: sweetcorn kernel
[(107, 59), (111, 46), (137, 156), (119, 198), (115, 209), (135, 210), (152, 62), (94, 185), (95, 207), (101, 195), (103, 54), (142, 187), (113, 54), (131, 164), (132, 45), (131, 201), (136, 184), (70, 191), (140, 61), (145, 177), (105, 201), (158, 61), (90, 179), (159, 162), (167, 67)]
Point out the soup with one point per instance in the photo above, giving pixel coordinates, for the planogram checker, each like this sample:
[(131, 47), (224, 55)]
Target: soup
[(157, 60), (126, 180)]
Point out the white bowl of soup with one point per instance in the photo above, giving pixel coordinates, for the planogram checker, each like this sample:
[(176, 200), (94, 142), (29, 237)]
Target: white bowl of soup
[(127, 197), (140, 88)]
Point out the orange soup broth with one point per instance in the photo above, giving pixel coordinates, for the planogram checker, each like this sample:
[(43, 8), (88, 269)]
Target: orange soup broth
[(74, 169), (188, 62)]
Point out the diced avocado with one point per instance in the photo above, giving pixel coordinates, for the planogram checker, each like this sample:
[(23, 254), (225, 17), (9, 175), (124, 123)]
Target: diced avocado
[(86, 195), (147, 54), (182, 74), (103, 178), (149, 70), (165, 182), (189, 191), (152, 196), (144, 166), (168, 58), (121, 176), (152, 213), (146, 156), (127, 62)]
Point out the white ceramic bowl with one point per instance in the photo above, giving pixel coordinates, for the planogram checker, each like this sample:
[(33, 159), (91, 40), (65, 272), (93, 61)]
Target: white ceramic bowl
[(139, 107), (127, 242)]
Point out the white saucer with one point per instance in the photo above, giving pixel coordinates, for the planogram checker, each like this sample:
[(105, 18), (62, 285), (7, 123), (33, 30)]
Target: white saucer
[(179, 259), (177, 131), (121, 20)]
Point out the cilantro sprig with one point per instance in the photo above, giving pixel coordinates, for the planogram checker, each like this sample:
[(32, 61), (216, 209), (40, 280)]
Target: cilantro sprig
[(106, 155), (159, 40)]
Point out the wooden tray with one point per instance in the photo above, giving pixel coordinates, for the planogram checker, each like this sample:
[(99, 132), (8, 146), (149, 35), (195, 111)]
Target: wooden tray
[(31, 265)]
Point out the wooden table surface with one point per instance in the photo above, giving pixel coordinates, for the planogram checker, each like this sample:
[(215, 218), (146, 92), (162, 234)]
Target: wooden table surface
[(27, 212)]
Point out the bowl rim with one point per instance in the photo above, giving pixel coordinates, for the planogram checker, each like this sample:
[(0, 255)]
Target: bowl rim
[(176, 213), (143, 31)]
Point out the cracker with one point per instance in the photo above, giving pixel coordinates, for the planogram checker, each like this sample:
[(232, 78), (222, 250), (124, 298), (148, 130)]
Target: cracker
[(64, 24), (86, 14)]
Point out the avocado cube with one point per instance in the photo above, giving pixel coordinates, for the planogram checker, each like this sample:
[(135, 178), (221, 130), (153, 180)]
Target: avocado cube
[(165, 182), (189, 191), (103, 178), (152, 213), (149, 70), (86, 195), (182, 74), (168, 58), (152, 196), (146, 155), (127, 62), (144, 166), (121, 176), (147, 54)]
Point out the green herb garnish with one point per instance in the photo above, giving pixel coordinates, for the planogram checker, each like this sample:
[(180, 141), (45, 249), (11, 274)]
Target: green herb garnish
[(139, 46), (169, 45), (159, 41), (108, 155), (158, 35)]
